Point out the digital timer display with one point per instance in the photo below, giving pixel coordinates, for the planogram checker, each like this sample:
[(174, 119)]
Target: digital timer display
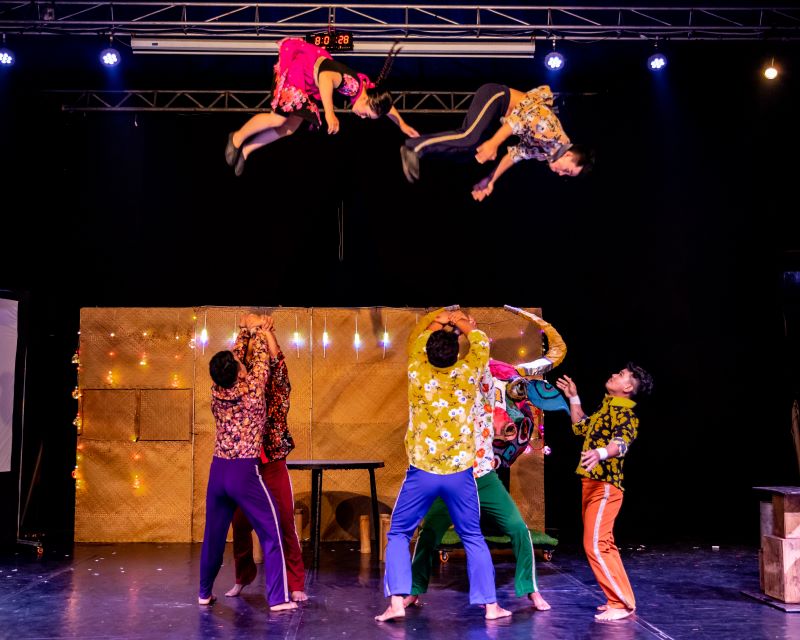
[(332, 40)]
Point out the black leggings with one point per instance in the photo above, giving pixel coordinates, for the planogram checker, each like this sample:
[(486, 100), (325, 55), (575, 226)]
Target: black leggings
[(487, 107)]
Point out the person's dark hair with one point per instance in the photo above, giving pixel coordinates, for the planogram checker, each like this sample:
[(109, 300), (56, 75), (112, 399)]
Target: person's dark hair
[(378, 98), (442, 348), (224, 369), (644, 381), (584, 157)]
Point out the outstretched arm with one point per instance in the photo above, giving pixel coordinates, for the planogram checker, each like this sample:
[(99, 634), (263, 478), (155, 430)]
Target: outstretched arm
[(569, 389), (485, 187), (326, 82), (394, 116)]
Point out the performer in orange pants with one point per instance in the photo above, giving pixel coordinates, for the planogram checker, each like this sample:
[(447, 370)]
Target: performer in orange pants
[(607, 434), (601, 504)]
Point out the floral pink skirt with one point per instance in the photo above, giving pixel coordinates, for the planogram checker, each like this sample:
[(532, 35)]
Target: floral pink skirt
[(294, 91)]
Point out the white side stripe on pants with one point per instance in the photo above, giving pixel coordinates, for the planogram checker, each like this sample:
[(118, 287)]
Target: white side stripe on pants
[(596, 547), (457, 136)]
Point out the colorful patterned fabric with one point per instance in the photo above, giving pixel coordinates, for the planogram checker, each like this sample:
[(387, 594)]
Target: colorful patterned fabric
[(240, 412), (540, 134), (483, 420), (614, 422), (440, 436), (545, 396), (277, 442)]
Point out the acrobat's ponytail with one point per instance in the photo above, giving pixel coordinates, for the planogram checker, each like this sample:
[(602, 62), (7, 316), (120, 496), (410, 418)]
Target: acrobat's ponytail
[(380, 100)]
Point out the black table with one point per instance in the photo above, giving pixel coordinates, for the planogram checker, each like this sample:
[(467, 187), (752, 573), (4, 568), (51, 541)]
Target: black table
[(317, 467)]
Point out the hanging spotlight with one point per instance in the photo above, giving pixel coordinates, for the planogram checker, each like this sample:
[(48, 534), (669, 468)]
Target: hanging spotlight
[(771, 72), (110, 56), (554, 61), (657, 62), (7, 56)]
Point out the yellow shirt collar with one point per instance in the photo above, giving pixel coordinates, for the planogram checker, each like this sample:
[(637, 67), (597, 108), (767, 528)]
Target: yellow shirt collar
[(618, 401)]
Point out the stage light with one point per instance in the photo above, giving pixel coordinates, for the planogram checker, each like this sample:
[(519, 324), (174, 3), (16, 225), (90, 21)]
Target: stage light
[(771, 72), (7, 56), (554, 61), (110, 56), (657, 62)]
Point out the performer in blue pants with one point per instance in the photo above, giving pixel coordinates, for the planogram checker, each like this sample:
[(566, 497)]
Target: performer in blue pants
[(442, 391)]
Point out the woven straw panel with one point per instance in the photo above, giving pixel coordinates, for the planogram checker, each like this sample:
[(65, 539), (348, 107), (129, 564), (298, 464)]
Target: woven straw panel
[(360, 410), (133, 491), (136, 348), (355, 400), (165, 415), (110, 414)]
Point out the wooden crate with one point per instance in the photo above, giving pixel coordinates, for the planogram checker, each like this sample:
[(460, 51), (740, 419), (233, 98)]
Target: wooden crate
[(786, 515), (781, 568)]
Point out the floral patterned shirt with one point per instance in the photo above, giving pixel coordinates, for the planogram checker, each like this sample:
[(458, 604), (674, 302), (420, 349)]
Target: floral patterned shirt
[(240, 411), (484, 425), (440, 437), (614, 422), (278, 442), (537, 127)]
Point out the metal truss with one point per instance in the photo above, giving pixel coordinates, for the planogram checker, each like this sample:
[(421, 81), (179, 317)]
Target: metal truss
[(439, 22), (248, 101)]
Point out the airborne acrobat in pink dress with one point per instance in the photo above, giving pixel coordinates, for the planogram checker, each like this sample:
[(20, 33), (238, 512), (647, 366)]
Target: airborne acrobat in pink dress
[(295, 90)]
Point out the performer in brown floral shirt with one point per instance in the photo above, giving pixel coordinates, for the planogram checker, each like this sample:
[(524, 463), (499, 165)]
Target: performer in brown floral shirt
[(237, 402), (276, 444)]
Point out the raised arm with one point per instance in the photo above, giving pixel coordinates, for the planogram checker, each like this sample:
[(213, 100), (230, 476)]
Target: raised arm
[(394, 116)]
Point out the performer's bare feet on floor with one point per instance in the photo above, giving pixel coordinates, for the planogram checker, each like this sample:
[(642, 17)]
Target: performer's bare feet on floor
[(539, 603), (411, 601), (612, 615), (495, 611), (235, 590), (207, 601), (395, 610), (602, 607), (299, 596), (283, 606)]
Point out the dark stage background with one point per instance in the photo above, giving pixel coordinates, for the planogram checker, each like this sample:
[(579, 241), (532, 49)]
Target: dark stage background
[(671, 254)]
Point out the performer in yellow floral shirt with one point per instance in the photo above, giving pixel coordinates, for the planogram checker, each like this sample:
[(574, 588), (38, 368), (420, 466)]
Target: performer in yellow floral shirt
[(440, 443)]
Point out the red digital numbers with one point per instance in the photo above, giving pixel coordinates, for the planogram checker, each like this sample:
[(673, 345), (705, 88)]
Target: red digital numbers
[(334, 41)]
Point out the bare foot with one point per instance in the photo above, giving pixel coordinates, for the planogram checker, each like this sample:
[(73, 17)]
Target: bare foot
[(207, 601), (612, 615), (299, 596), (393, 611), (283, 606), (411, 601), (602, 607), (495, 611), (539, 603), (235, 590)]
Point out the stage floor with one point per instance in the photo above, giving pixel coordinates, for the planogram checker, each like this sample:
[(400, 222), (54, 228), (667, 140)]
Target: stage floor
[(150, 591)]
